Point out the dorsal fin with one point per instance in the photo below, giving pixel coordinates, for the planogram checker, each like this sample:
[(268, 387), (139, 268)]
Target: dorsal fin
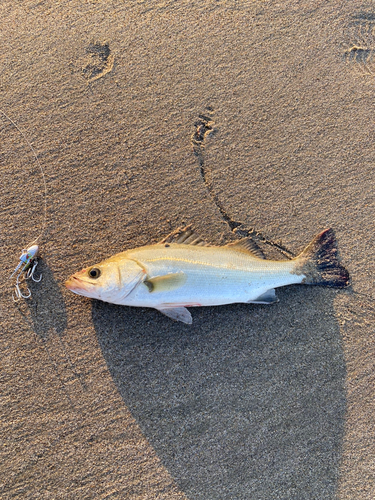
[(184, 235), (248, 245)]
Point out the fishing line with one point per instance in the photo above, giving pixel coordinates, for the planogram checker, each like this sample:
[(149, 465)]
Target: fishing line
[(29, 256), (41, 171)]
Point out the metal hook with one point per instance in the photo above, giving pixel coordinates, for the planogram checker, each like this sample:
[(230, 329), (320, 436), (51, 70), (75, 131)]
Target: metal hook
[(18, 292), (37, 281), (30, 271)]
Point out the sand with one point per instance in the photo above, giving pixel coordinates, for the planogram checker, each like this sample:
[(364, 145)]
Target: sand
[(250, 402)]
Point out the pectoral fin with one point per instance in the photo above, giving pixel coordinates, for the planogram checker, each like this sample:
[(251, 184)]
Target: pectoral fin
[(178, 314), (269, 297), (165, 283)]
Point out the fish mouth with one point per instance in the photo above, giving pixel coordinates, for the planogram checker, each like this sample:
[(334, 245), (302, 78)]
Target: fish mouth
[(75, 284)]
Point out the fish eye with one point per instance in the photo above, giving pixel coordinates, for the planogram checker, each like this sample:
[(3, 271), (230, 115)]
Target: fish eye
[(94, 273)]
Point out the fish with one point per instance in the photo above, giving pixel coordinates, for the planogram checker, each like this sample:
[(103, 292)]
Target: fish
[(183, 271)]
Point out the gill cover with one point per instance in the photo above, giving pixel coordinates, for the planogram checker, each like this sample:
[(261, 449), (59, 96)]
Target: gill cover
[(111, 280), (118, 277)]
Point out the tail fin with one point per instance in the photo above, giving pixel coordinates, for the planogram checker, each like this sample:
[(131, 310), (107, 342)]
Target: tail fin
[(319, 262)]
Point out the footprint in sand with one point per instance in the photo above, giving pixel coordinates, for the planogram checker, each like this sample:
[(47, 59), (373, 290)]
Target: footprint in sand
[(99, 61), (360, 53)]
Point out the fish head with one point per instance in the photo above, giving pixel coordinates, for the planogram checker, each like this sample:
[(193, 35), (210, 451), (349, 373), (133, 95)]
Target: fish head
[(111, 280)]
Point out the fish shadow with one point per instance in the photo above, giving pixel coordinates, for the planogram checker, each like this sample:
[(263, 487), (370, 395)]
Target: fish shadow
[(248, 402)]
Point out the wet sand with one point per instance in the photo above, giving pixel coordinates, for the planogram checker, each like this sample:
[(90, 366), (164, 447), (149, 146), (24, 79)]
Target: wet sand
[(147, 116)]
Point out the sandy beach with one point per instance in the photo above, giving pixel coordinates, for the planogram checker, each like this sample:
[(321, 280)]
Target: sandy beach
[(147, 116)]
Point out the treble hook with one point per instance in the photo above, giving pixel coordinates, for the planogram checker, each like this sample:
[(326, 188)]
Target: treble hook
[(18, 292)]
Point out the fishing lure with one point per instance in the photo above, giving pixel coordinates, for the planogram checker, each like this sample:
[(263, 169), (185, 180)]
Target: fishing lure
[(29, 257), (28, 263)]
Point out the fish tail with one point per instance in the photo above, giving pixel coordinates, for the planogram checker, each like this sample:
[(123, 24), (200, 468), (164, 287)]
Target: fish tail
[(320, 264)]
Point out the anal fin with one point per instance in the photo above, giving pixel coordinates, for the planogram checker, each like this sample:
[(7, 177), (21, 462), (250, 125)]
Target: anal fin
[(269, 297), (178, 314)]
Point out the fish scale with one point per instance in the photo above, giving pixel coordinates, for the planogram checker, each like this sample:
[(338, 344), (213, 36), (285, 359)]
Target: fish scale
[(214, 276)]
